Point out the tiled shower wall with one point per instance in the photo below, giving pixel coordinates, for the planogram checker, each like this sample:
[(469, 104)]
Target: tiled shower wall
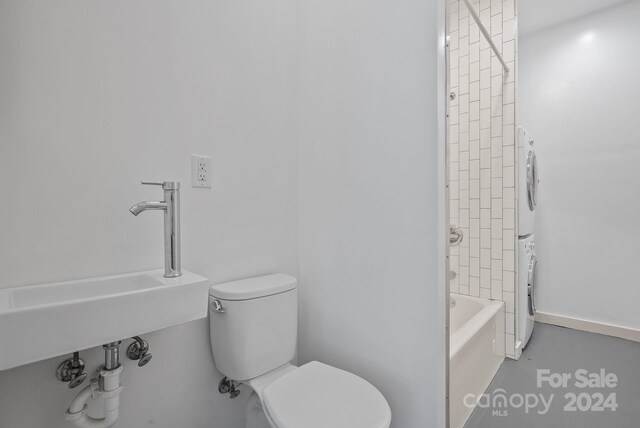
[(482, 155)]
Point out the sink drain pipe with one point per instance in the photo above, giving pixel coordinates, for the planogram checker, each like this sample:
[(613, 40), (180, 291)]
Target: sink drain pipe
[(107, 388)]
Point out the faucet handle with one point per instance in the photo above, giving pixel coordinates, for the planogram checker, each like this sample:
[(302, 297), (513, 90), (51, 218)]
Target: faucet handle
[(166, 185)]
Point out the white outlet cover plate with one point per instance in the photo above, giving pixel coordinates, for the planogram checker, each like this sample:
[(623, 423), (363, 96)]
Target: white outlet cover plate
[(201, 171)]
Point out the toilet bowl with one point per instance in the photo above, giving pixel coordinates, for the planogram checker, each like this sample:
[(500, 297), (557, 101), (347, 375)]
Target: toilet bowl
[(253, 327)]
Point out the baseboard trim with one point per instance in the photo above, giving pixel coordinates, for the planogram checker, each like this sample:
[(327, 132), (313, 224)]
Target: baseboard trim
[(590, 326)]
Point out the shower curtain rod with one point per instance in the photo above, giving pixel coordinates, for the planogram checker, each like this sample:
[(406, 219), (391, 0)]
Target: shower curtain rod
[(486, 34)]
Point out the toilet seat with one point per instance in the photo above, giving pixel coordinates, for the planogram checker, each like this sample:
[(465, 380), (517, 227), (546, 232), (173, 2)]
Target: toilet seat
[(316, 395)]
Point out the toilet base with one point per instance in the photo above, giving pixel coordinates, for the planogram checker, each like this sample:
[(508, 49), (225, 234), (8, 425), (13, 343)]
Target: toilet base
[(255, 414)]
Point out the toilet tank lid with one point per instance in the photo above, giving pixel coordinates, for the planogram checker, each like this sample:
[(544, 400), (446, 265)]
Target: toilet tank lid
[(253, 288)]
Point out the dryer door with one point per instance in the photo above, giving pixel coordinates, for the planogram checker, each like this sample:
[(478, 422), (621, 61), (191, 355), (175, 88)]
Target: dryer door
[(531, 285), (532, 180)]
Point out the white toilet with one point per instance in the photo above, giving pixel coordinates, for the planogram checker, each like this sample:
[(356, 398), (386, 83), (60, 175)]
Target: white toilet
[(254, 325)]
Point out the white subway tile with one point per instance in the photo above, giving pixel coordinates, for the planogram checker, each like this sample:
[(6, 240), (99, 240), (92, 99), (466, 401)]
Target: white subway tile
[(509, 218), (508, 114), (474, 189), (509, 300), (474, 170), (485, 198), (508, 9), (474, 209), (474, 33), (509, 30), (474, 110), (474, 286), (474, 91), (508, 240), (454, 189), (464, 161), (496, 229), (474, 130), (464, 201), (496, 188), (485, 278), (474, 71), (509, 197), (509, 324), (485, 158), (464, 217), (508, 133), (474, 249), (463, 24), (485, 178), (496, 289), (508, 282), (463, 176), (496, 208), (508, 156), (464, 83), (496, 85), (453, 115), (453, 21), (496, 167), (485, 238), (508, 176), (485, 98), (485, 138), (496, 24), (474, 149), (496, 249), (509, 92), (496, 6), (508, 260), (464, 139), (485, 260), (474, 53), (485, 57), (496, 146), (485, 118), (464, 275), (474, 263), (496, 269)]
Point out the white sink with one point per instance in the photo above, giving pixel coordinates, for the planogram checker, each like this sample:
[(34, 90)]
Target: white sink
[(43, 321)]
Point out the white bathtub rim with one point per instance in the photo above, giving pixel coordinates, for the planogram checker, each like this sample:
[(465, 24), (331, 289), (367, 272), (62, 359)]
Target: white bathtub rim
[(469, 329)]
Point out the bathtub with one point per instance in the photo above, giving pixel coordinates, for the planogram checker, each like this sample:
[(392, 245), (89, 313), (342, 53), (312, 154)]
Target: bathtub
[(476, 350)]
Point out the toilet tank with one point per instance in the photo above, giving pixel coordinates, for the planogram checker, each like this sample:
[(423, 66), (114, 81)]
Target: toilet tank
[(253, 325)]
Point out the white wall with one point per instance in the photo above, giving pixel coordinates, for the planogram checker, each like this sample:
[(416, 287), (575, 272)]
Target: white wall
[(579, 96), (98, 95), (368, 198)]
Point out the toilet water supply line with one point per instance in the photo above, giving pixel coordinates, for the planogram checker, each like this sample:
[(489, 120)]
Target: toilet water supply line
[(107, 387)]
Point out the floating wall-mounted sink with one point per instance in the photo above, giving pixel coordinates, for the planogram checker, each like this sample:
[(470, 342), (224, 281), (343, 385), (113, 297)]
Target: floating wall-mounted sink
[(43, 321)]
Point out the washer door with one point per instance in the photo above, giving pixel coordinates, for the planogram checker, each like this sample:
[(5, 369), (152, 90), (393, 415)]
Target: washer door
[(532, 180), (531, 285)]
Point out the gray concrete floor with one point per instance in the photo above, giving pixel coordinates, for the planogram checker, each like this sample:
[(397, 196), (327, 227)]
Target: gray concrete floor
[(563, 350)]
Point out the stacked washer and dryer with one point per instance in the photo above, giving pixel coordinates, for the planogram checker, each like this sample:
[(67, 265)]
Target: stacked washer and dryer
[(527, 261)]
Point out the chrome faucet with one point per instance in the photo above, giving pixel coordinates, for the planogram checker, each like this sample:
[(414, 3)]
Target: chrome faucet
[(171, 208)]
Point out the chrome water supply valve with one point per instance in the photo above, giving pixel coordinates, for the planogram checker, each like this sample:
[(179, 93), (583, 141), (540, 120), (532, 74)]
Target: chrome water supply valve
[(139, 350), (229, 386), (72, 371)]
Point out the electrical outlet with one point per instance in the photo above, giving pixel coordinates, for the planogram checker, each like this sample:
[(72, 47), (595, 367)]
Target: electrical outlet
[(200, 171)]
